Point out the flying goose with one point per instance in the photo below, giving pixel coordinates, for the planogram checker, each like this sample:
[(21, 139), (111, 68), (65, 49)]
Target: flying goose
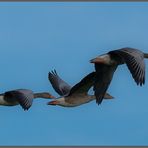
[(73, 96), (106, 65), (24, 97)]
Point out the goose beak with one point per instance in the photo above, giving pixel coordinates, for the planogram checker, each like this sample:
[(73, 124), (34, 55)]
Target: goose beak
[(52, 97), (52, 103)]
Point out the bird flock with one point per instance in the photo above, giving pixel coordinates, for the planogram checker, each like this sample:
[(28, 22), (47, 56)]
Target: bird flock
[(100, 79)]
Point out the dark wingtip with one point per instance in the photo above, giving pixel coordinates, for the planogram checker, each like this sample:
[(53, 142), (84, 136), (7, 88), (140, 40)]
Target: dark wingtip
[(49, 73), (55, 71), (97, 102), (52, 73), (99, 99)]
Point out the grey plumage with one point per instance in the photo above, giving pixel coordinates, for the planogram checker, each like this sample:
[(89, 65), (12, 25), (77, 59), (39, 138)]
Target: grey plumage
[(134, 59), (78, 94), (64, 89), (84, 85), (104, 74), (106, 65), (59, 85), (23, 96)]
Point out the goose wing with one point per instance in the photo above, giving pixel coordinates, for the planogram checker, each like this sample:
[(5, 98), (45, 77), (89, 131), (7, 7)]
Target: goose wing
[(84, 85), (104, 75), (24, 97), (134, 60), (60, 86)]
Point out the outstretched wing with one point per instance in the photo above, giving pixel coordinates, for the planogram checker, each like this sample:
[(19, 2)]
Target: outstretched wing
[(24, 97), (84, 85), (134, 60), (60, 86), (104, 75)]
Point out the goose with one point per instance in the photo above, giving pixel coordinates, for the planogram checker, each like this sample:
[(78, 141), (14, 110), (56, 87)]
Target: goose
[(106, 65), (23, 97), (73, 96)]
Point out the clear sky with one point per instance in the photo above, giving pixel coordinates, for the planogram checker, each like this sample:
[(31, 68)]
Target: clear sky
[(38, 37)]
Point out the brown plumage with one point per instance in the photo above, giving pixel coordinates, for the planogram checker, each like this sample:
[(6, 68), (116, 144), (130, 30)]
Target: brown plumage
[(77, 95), (106, 65), (24, 97)]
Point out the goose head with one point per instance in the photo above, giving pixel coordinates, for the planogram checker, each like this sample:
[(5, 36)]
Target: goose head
[(102, 59)]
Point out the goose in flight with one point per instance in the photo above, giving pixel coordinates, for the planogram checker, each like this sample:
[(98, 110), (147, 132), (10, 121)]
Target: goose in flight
[(24, 97), (73, 96), (106, 65)]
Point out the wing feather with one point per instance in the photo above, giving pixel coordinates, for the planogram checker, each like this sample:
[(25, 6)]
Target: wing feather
[(84, 85), (24, 97), (104, 75), (60, 86), (134, 60)]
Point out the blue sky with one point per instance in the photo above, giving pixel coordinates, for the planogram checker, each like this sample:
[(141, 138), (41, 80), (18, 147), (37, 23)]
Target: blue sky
[(38, 37)]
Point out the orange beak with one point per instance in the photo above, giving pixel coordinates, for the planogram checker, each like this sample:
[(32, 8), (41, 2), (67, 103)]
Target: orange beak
[(52, 97), (52, 103)]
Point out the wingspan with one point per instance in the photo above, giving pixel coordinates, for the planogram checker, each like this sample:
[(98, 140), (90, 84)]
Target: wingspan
[(84, 85), (134, 60), (60, 86), (24, 97)]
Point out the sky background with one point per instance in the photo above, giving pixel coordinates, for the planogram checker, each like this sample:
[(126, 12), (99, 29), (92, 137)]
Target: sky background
[(38, 37)]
